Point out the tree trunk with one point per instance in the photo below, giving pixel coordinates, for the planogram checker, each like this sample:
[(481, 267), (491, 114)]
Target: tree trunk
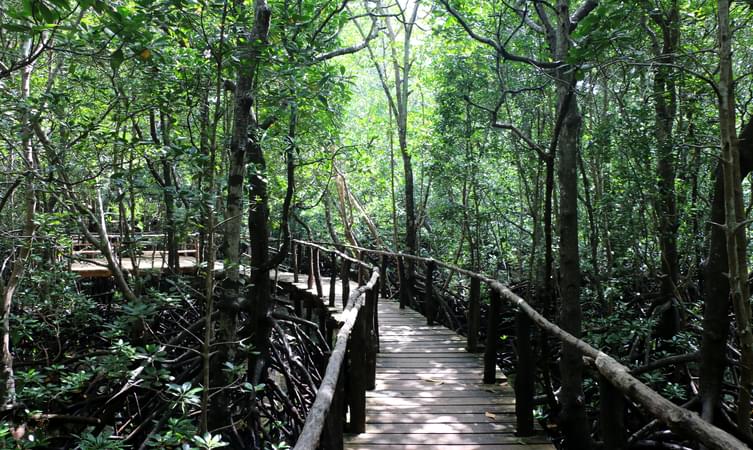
[(244, 124), (573, 417), (734, 216), (168, 190), (716, 290), (7, 380), (665, 109)]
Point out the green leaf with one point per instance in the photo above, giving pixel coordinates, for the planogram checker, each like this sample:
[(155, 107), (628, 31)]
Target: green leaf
[(28, 8), (116, 59), (12, 27), (49, 15)]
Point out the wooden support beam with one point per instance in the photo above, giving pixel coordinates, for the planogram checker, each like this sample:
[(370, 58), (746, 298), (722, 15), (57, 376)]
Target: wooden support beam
[(295, 262), (310, 281), (309, 302), (404, 292), (361, 275), (295, 298), (333, 280), (357, 375), (383, 276), (611, 415), (430, 307), (490, 356), (474, 314), (332, 434), (369, 311), (525, 375), (317, 274), (345, 278)]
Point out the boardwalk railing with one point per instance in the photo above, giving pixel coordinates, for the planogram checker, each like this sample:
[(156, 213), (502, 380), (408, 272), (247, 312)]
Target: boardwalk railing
[(353, 355), (616, 379)]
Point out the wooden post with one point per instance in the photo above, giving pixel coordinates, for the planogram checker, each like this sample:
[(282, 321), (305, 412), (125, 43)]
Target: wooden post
[(333, 280), (360, 269), (490, 356), (344, 276), (332, 325), (295, 263), (611, 415), (317, 274), (524, 378), (404, 293), (430, 308), (323, 314), (371, 351), (474, 308), (309, 305), (332, 434), (295, 297), (383, 276), (376, 325), (310, 281), (357, 375)]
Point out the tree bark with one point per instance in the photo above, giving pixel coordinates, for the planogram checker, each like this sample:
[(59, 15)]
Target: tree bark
[(241, 148), (734, 217), (573, 416), (665, 110), (7, 379)]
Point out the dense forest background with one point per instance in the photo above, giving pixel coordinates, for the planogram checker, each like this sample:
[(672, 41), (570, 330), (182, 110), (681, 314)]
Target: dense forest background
[(595, 154)]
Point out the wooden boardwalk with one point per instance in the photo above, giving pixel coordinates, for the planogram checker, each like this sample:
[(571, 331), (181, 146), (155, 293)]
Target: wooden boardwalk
[(429, 392), (151, 261)]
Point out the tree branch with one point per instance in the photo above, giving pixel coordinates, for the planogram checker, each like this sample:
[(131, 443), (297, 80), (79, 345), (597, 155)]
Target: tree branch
[(495, 45), (349, 50), (582, 12)]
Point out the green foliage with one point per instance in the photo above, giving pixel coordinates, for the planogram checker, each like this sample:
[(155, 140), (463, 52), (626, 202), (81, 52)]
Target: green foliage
[(101, 441), (209, 441)]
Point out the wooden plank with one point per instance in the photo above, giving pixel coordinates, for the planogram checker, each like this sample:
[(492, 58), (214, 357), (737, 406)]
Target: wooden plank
[(434, 393), (403, 363), (445, 409), (443, 439), (413, 418), (442, 428), (480, 401), (429, 385), (429, 446)]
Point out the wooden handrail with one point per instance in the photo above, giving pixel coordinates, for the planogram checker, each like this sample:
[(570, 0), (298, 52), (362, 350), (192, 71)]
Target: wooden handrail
[(317, 416), (677, 418)]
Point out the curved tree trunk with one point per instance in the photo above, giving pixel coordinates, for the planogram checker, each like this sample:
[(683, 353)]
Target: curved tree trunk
[(716, 291)]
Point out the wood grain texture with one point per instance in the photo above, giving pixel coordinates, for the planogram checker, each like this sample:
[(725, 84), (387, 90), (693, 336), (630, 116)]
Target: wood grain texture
[(429, 393)]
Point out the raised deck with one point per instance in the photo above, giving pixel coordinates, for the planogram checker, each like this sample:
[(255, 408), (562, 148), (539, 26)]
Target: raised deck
[(148, 261), (429, 393)]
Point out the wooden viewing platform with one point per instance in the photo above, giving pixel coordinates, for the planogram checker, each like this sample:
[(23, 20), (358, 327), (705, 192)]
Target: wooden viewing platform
[(147, 261), (429, 392)]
